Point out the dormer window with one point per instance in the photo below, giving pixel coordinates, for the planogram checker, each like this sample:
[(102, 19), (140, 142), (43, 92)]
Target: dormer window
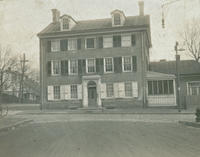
[(65, 23), (117, 20)]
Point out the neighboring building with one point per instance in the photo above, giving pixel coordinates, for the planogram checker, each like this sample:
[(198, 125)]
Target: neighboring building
[(98, 62), (31, 92), (189, 79)]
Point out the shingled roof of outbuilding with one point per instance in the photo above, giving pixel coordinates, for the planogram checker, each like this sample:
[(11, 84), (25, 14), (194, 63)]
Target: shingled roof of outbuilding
[(169, 67)]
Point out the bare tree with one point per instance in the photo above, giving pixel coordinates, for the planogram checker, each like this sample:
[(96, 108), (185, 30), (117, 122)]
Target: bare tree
[(7, 62), (191, 39)]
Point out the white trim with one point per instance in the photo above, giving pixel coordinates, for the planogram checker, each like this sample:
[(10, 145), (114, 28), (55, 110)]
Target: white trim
[(69, 67), (57, 41), (87, 65), (123, 64), (70, 41), (104, 62), (108, 37), (52, 71)]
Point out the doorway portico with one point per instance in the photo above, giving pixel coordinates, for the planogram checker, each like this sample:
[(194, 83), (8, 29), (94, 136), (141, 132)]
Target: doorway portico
[(91, 91)]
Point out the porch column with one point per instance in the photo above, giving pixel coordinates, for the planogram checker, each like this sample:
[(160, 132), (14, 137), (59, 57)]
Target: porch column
[(85, 94)]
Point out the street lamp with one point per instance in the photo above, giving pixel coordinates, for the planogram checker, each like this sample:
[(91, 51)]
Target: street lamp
[(178, 76)]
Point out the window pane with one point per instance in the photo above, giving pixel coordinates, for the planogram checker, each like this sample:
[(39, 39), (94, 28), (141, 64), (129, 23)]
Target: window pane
[(117, 41), (108, 64), (155, 88), (171, 87), (109, 90), (127, 64), (128, 89), (90, 43), (65, 24), (72, 44), (56, 67), (117, 19), (73, 66), (74, 94), (150, 89), (55, 46), (56, 90), (160, 87), (91, 65)]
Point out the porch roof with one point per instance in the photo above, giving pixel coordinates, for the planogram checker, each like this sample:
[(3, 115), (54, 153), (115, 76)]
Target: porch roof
[(151, 75)]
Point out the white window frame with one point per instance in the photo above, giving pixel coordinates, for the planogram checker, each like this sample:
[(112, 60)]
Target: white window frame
[(94, 42), (105, 65), (189, 90), (126, 40), (63, 23), (69, 67), (70, 42), (71, 91), (54, 92), (52, 67), (87, 65), (123, 58), (130, 88), (55, 45), (112, 90), (108, 37)]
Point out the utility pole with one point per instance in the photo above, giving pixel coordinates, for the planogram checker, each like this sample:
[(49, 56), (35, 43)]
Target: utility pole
[(178, 89), (23, 68)]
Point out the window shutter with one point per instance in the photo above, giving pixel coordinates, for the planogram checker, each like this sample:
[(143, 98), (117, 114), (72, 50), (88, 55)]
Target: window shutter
[(118, 64), (133, 39), (80, 91), (67, 92), (116, 91), (64, 67), (135, 89), (100, 42), (78, 44), (83, 66), (48, 46), (126, 41), (82, 43), (103, 90), (107, 42), (121, 89), (62, 92), (64, 45), (49, 68), (99, 65), (134, 63), (50, 93)]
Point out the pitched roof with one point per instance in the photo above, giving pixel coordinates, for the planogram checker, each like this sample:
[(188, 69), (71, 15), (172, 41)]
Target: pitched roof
[(157, 75), (98, 24), (169, 67)]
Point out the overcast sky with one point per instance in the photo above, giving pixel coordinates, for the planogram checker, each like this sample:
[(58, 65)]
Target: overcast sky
[(21, 20)]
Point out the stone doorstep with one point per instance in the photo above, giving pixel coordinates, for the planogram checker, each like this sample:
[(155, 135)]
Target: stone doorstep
[(192, 124), (16, 124)]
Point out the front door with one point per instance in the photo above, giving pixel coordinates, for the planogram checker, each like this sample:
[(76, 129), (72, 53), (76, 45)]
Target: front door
[(92, 94)]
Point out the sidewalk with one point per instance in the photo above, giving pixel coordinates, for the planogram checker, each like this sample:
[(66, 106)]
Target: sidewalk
[(9, 122)]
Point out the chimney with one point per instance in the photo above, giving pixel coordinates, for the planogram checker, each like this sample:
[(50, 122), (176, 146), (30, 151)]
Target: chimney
[(55, 15), (141, 8)]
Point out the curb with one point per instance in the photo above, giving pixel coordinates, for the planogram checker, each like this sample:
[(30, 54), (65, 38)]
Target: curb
[(192, 124), (9, 127)]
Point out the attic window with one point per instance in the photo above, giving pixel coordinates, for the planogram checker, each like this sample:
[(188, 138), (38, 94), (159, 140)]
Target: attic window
[(117, 20), (65, 23)]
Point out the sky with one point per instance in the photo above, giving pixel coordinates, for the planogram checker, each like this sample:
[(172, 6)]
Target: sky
[(21, 20)]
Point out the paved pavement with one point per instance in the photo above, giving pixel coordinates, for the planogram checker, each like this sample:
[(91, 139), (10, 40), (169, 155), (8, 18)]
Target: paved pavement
[(103, 135)]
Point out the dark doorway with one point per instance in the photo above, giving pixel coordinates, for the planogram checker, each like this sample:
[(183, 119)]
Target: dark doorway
[(92, 94)]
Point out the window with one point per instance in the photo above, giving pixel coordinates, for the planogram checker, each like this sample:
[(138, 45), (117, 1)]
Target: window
[(127, 64), (65, 23), (56, 67), (128, 89), (74, 93), (72, 44), (91, 65), (117, 41), (117, 19), (64, 45), (160, 87), (90, 43), (73, 67), (193, 88), (133, 39), (55, 46), (109, 90), (56, 91), (108, 64)]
